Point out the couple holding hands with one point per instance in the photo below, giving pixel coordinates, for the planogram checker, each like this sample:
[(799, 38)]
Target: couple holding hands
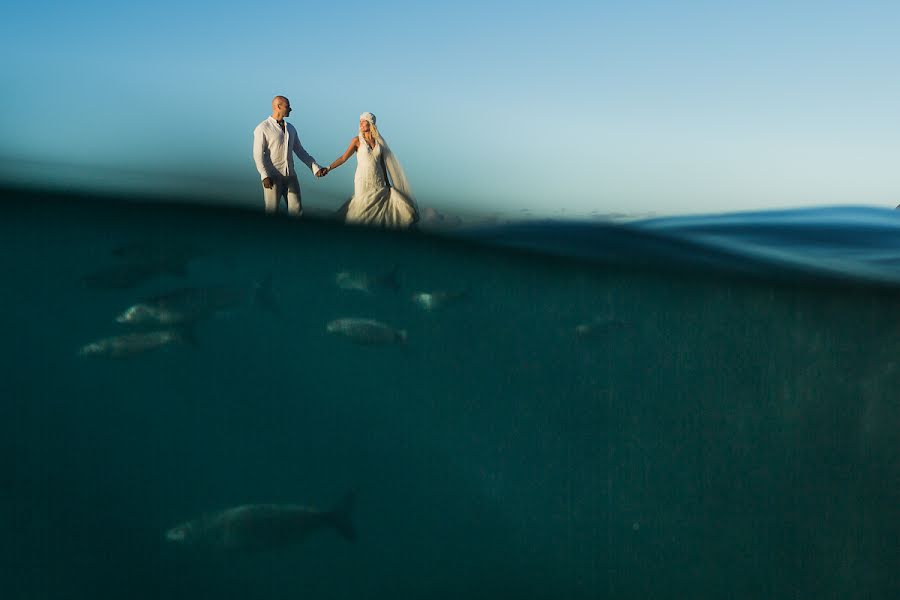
[(381, 194)]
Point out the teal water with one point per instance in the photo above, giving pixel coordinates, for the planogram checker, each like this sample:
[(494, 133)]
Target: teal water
[(713, 435)]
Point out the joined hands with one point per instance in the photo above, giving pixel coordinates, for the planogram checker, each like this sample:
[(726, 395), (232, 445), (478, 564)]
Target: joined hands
[(322, 172)]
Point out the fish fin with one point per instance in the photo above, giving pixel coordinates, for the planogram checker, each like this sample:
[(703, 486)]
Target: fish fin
[(264, 295), (339, 517)]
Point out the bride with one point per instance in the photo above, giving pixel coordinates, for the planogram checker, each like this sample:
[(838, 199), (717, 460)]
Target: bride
[(381, 194)]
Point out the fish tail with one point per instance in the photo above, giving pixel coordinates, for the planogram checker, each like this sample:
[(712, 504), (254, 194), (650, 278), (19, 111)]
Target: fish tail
[(339, 517)]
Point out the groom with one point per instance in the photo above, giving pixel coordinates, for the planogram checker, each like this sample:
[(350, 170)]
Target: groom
[(274, 144)]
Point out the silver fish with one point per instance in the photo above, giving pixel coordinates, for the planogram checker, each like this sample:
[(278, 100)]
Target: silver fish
[(263, 526), (431, 301), (157, 251), (130, 275), (189, 305), (130, 344), (363, 282), (368, 332), (599, 326)]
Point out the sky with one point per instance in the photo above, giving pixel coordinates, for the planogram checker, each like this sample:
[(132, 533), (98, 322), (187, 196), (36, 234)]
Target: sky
[(537, 108)]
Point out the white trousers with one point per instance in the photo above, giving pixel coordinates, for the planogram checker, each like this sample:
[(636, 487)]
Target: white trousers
[(287, 188)]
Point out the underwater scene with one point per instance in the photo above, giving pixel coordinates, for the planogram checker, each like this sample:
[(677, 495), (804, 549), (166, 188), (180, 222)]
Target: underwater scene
[(204, 402)]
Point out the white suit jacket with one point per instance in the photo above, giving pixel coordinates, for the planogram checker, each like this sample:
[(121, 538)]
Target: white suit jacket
[(274, 149)]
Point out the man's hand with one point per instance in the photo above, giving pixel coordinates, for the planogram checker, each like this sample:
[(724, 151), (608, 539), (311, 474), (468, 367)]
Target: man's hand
[(322, 172), (267, 183)]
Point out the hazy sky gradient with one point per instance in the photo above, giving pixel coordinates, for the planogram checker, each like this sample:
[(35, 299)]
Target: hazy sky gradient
[(637, 107)]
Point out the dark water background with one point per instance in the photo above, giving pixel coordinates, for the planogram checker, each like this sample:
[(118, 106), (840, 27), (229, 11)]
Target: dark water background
[(733, 432)]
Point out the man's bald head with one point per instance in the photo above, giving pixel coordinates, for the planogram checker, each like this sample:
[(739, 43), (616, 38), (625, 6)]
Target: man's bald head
[(281, 107)]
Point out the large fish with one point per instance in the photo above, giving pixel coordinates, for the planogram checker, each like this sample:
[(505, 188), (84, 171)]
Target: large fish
[(368, 332), (156, 251), (368, 284), (263, 526), (189, 305), (431, 301), (130, 344), (598, 326), (131, 274), (143, 261)]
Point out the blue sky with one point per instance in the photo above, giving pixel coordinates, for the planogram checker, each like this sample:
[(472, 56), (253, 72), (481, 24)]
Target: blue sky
[(576, 107)]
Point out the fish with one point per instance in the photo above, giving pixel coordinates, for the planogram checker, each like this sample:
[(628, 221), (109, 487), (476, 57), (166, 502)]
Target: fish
[(131, 344), (150, 251), (193, 304), (431, 301), (368, 332), (132, 274), (599, 326), (255, 527), (368, 284)]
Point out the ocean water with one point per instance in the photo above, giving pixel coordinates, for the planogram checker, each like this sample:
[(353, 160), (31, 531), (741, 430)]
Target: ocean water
[(675, 408)]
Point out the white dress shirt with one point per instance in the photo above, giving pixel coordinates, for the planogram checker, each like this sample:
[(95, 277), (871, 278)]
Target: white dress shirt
[(274, 148)]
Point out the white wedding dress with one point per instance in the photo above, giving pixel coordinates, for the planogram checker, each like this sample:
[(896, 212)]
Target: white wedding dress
[(381, 194)]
